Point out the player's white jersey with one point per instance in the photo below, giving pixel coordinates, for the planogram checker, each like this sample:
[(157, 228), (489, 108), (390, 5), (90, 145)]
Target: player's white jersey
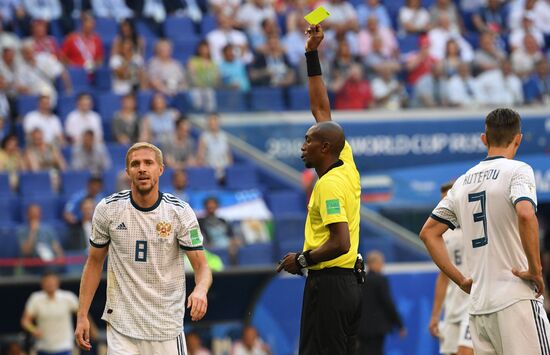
[(482, 202), (456, 300), (146, 278)]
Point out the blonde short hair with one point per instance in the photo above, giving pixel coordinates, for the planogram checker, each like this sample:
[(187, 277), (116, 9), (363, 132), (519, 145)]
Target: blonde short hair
[(145, 145)]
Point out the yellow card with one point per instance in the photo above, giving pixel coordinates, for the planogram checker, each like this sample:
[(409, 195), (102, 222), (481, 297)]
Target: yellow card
[(317, 16)]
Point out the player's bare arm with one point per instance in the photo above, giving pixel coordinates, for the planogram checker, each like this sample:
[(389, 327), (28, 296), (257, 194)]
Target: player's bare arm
[(441, 284), (198, 300), (318, 96), (529, 234), (88, 286), (336, 245), (432, 236)]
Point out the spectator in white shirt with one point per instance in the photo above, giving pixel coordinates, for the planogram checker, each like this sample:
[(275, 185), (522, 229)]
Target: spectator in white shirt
[(83, 119), (499, 87), (516, 36), (37, 72), (45, 121), (90, 154), (224, 7), (115, 9), (387, 91), (343, 17), (488, 56), (225, 34), (43, 9), (461, 87), (449, 9), (251, 16), (524, 58), (441, 34), (373, 8), (250, 343), (166, 74), (413, 18), (128, 69)]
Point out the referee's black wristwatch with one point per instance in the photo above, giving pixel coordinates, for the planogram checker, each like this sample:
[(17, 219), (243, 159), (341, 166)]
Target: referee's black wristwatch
[(303, 259)]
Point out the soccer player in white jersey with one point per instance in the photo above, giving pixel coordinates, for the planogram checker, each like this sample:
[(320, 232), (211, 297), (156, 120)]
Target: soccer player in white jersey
[(145, 232), (494, 203), (453, 332)]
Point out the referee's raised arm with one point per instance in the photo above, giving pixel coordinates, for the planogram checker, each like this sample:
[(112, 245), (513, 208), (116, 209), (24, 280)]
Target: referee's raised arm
[(318, 96)]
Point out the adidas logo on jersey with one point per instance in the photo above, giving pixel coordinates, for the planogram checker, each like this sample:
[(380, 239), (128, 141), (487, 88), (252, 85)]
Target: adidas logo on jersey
[(122, 227)]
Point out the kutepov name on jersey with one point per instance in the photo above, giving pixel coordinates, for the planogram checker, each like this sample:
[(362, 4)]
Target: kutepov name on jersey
[(484, 175), (391, 145)]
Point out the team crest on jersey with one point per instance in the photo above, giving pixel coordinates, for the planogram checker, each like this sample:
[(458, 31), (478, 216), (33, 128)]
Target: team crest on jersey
[(164, 229)]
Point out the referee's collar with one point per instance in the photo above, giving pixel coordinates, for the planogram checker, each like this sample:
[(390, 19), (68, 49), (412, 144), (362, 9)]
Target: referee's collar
[(147, 209)]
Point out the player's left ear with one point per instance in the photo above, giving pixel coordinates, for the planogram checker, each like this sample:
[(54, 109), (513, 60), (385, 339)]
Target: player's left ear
[(161, 169)]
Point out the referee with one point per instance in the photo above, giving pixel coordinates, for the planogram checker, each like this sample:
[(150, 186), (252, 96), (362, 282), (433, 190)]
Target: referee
[(331, 303)]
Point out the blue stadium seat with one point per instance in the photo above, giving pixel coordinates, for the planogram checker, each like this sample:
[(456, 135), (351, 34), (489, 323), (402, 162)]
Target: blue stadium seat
[(51, 208), (256, 254), (223, 253), (9, 208), (267, 99), (74, 180), (185, 47), (9, 242), (165, 181), (144, 30), (26, 104), (110, 180), (175, 28), (65, 104), (473, 39), (118, 154), (241, 177), (35, 184), (231, 101), (102, 79), (201, 178), (289, 232), (407, 43), (285, 202), (80, 79), (393, 7), (299, 98), (143, 99), (106, 28), (383, 245), (5, 189), (208, 24), (106, 105)]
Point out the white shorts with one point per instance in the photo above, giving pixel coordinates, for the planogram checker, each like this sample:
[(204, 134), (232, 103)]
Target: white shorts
[(520, 329), (464, 336), (119, 344), (448, 342)]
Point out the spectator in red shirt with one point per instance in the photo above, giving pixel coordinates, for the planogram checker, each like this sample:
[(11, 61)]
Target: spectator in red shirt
[(419, 63), (84, 48), (355, 93)]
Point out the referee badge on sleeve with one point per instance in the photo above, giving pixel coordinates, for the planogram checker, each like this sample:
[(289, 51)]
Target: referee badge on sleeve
[(333, 206)]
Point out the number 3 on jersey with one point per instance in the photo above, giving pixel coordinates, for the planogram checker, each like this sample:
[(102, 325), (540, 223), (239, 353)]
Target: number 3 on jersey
[(141, 250), (480, 217)]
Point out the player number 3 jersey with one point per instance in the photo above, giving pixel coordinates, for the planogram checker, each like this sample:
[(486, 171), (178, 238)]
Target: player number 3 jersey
[(482, 202), (145, 275)]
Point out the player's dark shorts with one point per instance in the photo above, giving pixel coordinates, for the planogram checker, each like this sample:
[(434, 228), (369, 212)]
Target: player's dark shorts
[(331, 312)]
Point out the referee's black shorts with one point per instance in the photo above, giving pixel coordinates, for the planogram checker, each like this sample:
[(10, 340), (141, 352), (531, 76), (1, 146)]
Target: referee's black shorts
[(331, 312)]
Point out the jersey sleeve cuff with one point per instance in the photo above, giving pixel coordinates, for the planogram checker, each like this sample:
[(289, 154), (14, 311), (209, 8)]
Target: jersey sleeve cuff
[(525, 198), (186, 248), (98, 245), (335, 220), (444, 221)]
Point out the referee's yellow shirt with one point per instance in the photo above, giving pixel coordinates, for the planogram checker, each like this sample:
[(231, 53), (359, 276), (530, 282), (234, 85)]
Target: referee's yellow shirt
[(336, 197)]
